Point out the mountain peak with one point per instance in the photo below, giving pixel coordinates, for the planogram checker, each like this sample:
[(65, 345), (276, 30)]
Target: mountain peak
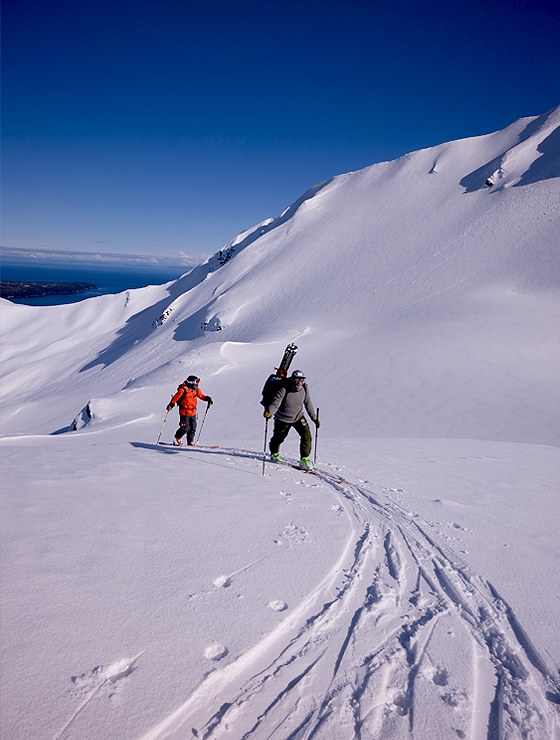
[(424, 289)]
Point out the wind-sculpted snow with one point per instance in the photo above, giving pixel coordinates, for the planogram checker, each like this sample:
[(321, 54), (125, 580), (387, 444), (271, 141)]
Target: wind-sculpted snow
[(290, 606), (532, 159), (142, 324), (400, 640), (435, 292)]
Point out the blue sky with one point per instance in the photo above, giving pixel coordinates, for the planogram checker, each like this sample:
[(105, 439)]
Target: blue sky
[(168, 127)]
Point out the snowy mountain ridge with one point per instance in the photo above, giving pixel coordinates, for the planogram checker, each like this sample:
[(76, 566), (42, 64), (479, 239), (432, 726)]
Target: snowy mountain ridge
[(393, 266), (406, 590)]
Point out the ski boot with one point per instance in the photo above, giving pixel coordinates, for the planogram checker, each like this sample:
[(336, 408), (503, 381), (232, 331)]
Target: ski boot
[(275, 457), (306, 463), (177, 441)]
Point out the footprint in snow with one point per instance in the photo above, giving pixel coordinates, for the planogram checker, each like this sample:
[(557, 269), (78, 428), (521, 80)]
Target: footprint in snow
[(292, 535), (86, 682), (277, 605), (455, 698), (459, 526), (401, 704), (440, 677)]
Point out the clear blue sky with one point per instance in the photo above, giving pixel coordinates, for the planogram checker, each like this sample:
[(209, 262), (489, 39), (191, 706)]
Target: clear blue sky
[(160, 127)]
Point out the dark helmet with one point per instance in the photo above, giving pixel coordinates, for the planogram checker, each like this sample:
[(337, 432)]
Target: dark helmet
[(298, 375), (192, 379)]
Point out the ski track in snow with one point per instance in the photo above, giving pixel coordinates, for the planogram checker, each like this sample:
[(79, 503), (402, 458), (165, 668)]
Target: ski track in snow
[(359, 659)]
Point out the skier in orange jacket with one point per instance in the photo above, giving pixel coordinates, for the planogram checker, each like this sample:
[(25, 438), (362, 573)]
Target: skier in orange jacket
[(186, 397)]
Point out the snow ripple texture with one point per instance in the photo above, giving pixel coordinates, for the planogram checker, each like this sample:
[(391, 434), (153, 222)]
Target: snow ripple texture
[(400, 640)]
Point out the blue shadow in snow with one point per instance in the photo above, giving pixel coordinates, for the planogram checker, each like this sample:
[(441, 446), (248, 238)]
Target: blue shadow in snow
[(545, 167), (141, 325)]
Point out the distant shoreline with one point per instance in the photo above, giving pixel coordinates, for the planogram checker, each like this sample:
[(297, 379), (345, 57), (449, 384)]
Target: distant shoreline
[(17, 289), (108, 280)]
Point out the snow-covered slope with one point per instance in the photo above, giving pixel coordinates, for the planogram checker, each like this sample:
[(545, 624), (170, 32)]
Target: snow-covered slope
[(410, 589), (417, 293)]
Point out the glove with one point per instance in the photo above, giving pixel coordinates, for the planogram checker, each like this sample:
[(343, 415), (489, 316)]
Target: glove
[(317, 423), (267, 414), (209, 401), (169, 406)]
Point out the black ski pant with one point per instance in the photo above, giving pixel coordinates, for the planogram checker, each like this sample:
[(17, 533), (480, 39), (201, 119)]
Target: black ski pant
[(187, 425), (281, 429)]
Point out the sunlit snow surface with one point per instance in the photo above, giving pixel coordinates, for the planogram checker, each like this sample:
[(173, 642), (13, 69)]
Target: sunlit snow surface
[(409, 590)]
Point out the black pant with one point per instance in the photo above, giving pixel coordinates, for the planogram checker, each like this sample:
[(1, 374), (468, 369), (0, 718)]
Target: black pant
[(281, 429), (187, 425)]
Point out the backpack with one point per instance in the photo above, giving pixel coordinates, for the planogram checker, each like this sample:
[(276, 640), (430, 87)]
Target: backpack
[(275, 381), (186, 388), (270, 389)]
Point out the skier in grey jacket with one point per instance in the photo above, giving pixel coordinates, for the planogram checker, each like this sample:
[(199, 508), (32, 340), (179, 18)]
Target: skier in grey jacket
[(287, 409)]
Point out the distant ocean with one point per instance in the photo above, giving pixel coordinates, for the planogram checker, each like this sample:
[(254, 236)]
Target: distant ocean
[(109, 279)]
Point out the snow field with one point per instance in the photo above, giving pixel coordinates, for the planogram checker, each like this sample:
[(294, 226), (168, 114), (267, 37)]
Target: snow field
[(381, 633), (117, 552)]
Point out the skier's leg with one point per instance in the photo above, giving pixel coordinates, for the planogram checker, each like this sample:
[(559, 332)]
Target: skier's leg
[(181, 431), (191, 428), (281, 429), (302, 428)]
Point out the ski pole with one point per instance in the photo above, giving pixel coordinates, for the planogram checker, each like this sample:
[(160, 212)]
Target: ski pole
[(161, 430), (264, 449), (200, 432), (316, 435)]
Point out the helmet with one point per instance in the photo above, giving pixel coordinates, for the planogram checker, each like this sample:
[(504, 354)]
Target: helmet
[(298, 375), (192, 379)]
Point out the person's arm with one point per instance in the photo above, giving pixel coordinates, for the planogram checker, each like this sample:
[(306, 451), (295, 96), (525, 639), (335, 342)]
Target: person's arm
[(277, 401), (309, 406), (207, 399), (176, 398)]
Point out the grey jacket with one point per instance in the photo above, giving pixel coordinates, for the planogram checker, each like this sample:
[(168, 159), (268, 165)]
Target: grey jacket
[(288, 403)]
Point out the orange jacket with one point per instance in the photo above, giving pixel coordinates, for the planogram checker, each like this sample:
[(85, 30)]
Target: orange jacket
[(186, 398)]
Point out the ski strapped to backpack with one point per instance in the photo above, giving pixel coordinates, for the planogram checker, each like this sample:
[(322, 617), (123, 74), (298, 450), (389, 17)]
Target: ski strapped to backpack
[(274, 381)]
